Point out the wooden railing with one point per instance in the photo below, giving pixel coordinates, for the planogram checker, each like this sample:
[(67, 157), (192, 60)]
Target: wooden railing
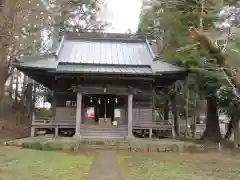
[(53, 123), (50, 123), (161, 126), (153, 125)]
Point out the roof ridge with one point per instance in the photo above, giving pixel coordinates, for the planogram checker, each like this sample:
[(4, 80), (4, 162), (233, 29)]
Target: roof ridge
[(104, 36), (150, 49), (107, 65)]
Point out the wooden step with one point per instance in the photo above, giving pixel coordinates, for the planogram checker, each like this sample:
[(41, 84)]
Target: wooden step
[(105, 147), (103, 137), (104, 134), (103, 128)]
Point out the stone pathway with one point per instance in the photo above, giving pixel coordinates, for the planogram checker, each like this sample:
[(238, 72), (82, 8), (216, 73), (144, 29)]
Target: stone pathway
[(104, 167)]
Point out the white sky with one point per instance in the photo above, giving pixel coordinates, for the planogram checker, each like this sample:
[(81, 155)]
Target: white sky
[(123, 15)]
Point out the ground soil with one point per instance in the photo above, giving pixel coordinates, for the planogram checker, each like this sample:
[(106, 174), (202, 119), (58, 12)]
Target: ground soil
[(9, 130)]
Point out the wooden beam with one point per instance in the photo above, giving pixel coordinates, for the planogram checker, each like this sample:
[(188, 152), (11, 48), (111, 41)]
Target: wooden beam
[(111, 90), (78, 114), (54, 103), (106, 76), (130, 116)]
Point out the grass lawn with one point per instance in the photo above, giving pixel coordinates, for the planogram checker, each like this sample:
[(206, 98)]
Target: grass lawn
[(23, 164), (169, 166)]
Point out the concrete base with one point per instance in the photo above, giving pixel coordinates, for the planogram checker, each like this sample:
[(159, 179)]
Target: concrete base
[(130, 137), (33, 132), (56, 132), (77, 136), (134, 145)]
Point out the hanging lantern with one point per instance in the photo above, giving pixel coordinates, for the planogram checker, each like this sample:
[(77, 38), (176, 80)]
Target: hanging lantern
[(91, 100), (99, 102), (108, 100), (116, 100)]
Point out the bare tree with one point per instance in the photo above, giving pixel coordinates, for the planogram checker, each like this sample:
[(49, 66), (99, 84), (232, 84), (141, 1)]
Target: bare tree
[(22, 24)]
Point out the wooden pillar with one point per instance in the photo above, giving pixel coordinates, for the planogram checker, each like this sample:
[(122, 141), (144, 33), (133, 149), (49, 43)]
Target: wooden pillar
[(56, 131), (53, 104), (150, 133), (166, 105), (130, 116), (33, 129), (78, 114), (153, 108), (153, 116)]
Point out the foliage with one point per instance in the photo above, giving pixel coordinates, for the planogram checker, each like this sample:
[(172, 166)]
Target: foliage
[(43, 112), (161, 23), (168, 21), (44, 147), (29, 27)]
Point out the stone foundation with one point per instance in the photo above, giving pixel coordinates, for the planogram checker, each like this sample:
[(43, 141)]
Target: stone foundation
[(136, 145)]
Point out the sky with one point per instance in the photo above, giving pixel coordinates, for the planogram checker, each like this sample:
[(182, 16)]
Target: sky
[(123, 15)]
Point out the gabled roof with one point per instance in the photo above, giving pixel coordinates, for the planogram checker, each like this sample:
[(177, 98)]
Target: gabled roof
[(97, 51), (102, 53), (38, 62)]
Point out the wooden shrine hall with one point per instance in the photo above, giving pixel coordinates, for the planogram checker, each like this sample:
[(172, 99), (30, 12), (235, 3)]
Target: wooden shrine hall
[(103, 85)]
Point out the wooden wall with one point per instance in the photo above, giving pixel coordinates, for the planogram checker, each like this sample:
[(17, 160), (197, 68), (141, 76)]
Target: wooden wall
[(121, 120), (142, 110), (65, 114)]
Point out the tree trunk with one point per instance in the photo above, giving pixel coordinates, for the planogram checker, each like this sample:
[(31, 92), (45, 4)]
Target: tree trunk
[(186, 112), (216, 53), (3, 78), (1, 97), (212, 131), (173, 99), (229, 129), (29, 100), (34, 94), (193, 126), (166, 110), (196, 116), (16, 89), (236, 132), (11, 89)]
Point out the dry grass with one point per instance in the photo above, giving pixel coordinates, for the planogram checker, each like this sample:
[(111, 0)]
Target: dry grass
[(155, 166), (9, 130), (25, 164)]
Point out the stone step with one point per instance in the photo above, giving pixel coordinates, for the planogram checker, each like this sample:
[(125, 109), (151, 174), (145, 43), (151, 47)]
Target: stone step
[(104, 129), (103, 137), (106, 144), (105, 147), (103, 133)]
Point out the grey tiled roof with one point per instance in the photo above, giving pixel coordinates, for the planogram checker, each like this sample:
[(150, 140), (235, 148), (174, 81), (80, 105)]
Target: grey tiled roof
[(104, 69), (105, 52), (39, 62), (162, 66), (103, 55)]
